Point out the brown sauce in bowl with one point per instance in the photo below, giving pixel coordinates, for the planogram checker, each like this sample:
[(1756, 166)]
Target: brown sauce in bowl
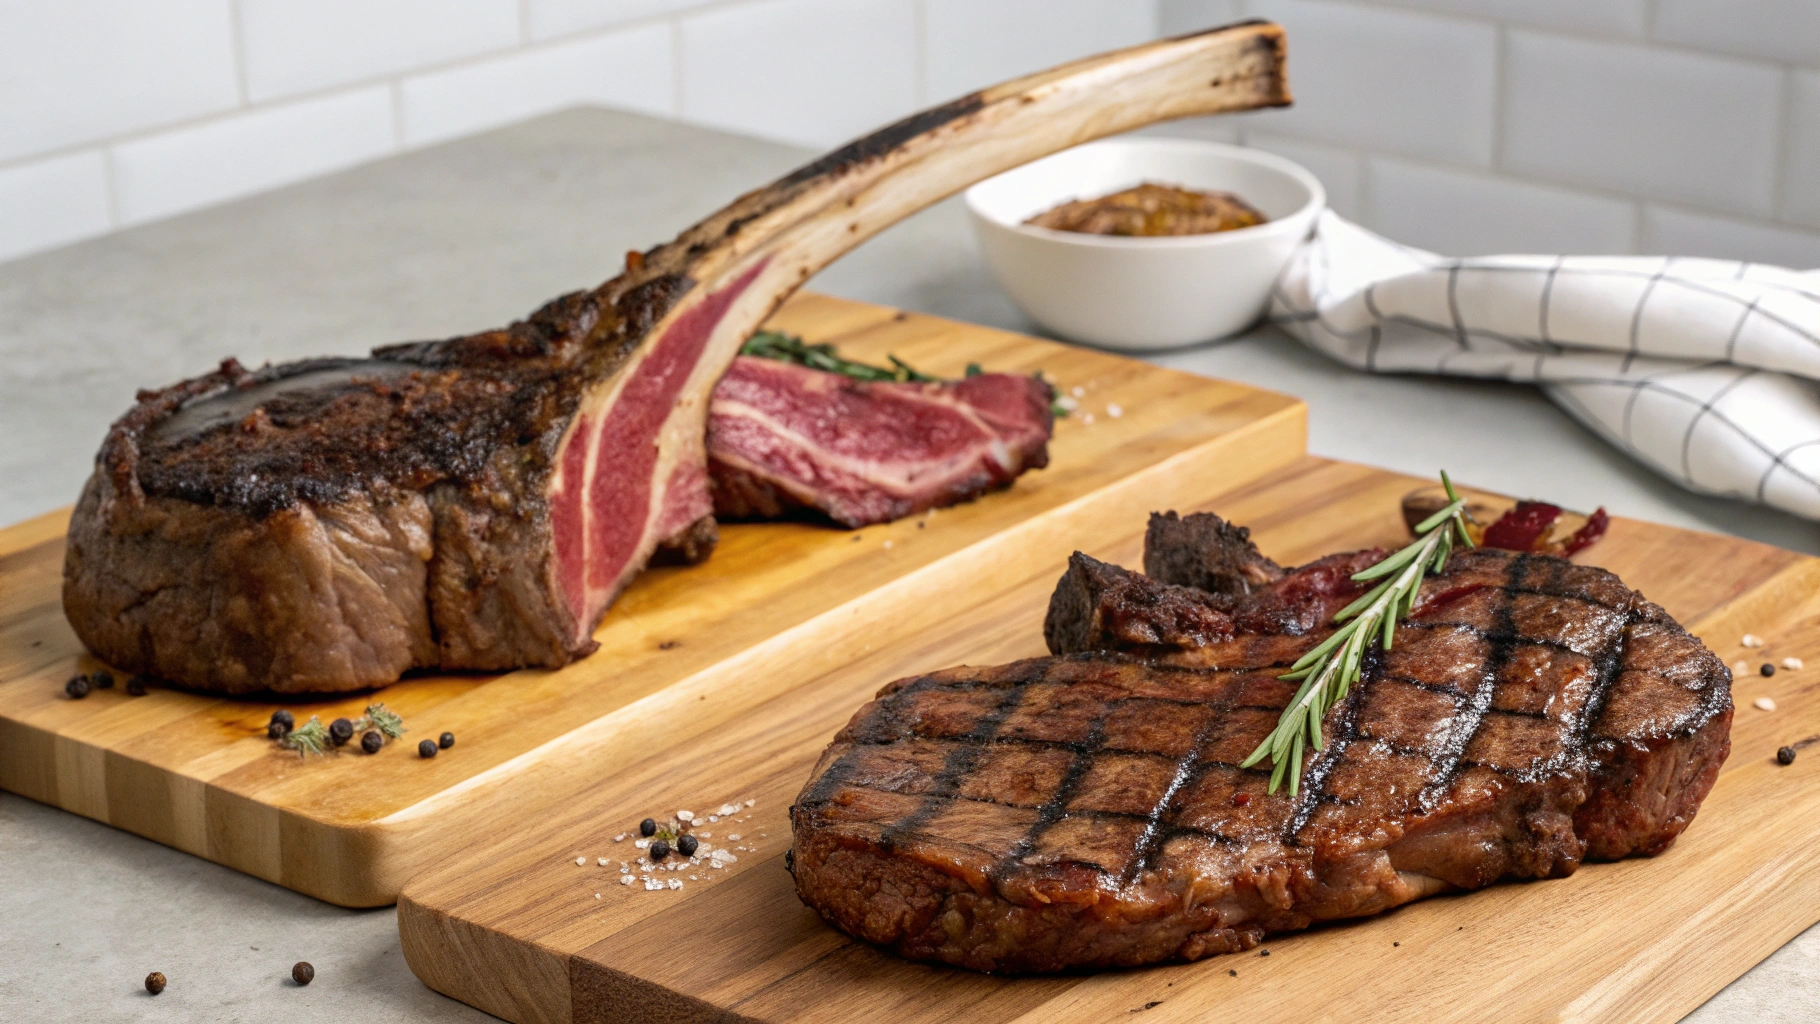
[(1152, 211)]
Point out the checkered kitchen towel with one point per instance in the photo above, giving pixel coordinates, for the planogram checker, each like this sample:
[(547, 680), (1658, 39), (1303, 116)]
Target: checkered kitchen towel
[(1706, 370)]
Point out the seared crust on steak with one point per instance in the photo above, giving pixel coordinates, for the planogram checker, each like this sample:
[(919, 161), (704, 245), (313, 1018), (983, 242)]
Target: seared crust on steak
[(1203, 551), (1088, 810)]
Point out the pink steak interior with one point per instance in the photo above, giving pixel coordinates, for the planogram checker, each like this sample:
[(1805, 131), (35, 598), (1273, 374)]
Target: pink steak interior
[(606, 514)]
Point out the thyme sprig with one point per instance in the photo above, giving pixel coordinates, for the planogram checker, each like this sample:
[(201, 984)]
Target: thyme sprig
[(312, 737), (377, 717), (1329, 670)]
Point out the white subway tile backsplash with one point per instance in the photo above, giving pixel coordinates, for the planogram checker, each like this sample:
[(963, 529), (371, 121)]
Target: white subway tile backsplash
[(969, 44), (1405, 83), (1462, 214), (1666, 124), (1603, 17), (1773, 29), (816, 72), (1341, 171), (296, 46), (1672, 232), (182, 169), (77, 71), (631, 69), (1801, 173), (51, 202), (1179, 17), (551, 18)]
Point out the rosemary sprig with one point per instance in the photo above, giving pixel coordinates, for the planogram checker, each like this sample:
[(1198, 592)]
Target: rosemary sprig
[(791, 349), (309, 738), (1328, 671)]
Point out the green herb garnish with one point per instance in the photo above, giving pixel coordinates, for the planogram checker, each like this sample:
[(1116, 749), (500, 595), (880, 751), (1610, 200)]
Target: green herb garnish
[(1328, 671), (789, 348), (377, 717), (309, 738)]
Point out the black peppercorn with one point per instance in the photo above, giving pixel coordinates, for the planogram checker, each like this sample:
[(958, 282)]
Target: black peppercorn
[(154, 982), (687, 845), (340, 731), (446, 740), (102, 680), (372, 741), (1767, 669), (136, 686), (658, 851), (426, 749), (284, 718), (276, 731), (77, 688), (1785, 755), (302, 973), (647, 827)]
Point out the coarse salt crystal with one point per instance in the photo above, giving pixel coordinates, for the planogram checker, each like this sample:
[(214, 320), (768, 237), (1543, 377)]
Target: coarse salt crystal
[(750, 802), (727, 808), (704, 835), (1740, 668), (716, 864), (625, 879), (597, 895), (641, 843), (676, 883), (1764, 704), (1115, 411), (602, 861), (1793, 664), (653, 884), (1752, 640), (734, 838), (712, 818), (1077, 391), (579, 861), (1067, 403), (685, 815), (691, 878)]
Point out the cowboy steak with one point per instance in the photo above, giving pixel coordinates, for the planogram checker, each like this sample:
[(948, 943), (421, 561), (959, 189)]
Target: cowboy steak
[(1088, 809), (783, 437), (477, 503)]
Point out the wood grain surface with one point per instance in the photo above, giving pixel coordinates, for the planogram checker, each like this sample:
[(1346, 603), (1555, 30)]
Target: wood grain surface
[(683, 651), (524, 932)]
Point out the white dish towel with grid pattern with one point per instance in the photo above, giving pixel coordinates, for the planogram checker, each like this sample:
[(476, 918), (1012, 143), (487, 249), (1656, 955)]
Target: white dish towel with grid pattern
[(1708, 371)]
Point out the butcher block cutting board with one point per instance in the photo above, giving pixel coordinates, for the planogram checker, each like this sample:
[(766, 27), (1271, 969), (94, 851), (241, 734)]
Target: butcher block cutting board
[(683, 652), (524, 931)]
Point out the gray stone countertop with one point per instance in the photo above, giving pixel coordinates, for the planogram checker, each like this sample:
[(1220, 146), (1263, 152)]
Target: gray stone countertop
[(470, 235)]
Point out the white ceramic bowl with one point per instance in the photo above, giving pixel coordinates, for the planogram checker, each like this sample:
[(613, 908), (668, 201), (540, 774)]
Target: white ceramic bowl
[(1140, 294)]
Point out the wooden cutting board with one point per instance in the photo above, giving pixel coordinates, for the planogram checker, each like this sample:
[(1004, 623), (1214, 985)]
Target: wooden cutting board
[(683, 651), (524, 932)]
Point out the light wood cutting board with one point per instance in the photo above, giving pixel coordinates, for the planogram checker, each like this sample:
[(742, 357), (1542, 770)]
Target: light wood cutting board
[(683, 651), (524, 932)]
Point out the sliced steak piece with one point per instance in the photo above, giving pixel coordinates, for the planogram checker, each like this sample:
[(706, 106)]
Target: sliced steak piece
[(1101, 607), (1206, 552), (784, 437), (1088, 810), (477, 503)]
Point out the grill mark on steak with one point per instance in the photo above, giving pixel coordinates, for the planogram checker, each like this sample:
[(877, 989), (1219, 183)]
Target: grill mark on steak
[(1512, 731)]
